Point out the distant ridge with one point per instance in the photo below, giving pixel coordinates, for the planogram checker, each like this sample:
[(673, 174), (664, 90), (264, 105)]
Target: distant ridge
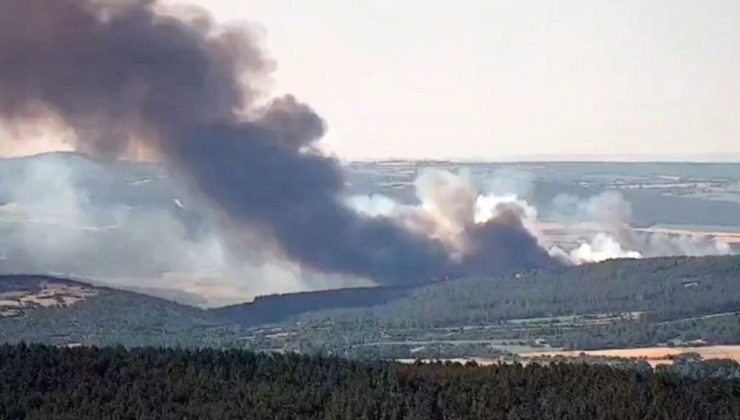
[(281, 307)]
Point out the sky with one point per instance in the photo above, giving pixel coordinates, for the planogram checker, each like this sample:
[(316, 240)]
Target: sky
[(499, 79), (493, 79)]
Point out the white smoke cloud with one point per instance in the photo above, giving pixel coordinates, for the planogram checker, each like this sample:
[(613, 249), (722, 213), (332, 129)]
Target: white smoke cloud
[(593, 229), (602, 247), (450, 205), (604, 221), (488, 206)]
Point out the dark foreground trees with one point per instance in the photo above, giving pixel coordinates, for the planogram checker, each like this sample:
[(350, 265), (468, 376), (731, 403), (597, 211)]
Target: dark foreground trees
[(47, 382)]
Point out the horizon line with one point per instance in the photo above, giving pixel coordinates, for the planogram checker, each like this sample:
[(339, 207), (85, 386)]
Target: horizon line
[(711, 158), (717, 158)]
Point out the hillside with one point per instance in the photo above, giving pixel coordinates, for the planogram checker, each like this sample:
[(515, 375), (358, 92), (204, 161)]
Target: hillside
[(64, 312), (621, 303), (616, 304), (667, 288), (664, 288), (277, 308)]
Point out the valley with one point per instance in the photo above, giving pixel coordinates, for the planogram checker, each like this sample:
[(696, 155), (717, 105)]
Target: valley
[(132, 211), (668, 303)]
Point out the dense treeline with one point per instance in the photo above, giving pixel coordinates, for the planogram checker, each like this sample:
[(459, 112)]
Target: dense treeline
[(276, 308), (665, 288), (48, 382)]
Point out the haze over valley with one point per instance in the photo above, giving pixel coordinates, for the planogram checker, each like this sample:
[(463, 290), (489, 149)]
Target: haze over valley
[(70, 215)]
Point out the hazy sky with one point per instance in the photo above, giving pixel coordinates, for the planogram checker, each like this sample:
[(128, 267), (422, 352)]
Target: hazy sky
[(493, 79), (489, 78)]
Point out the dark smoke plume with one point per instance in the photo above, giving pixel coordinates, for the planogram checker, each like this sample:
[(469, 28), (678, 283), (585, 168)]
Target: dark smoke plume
[(120, 73)]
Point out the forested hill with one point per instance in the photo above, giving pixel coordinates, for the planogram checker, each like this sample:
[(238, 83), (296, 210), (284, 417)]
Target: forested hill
[(276, 308), (91, 383), (663, 288), (58, 311), (621, 303), (667, 288)]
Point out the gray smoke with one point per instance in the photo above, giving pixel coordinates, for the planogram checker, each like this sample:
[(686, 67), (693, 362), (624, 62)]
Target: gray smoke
[(123, 76), (131, 226)]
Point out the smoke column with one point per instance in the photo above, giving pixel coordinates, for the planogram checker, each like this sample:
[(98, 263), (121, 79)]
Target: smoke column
[(611, 213), (123, 75)]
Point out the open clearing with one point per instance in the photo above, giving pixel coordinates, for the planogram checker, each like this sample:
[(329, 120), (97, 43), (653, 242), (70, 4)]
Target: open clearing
[(50, 294)]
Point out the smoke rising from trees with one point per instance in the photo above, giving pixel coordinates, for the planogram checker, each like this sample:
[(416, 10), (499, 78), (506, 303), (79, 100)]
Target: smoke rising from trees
[(124, 76)]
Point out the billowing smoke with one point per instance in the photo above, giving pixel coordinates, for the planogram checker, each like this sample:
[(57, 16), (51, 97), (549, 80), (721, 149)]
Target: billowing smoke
[(125, 77), (607, 216), (482, 233), (458, 209), (130, 227)]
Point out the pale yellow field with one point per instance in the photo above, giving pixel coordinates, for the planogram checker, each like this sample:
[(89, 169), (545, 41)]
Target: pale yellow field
[(50, 295), (653, 355)]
